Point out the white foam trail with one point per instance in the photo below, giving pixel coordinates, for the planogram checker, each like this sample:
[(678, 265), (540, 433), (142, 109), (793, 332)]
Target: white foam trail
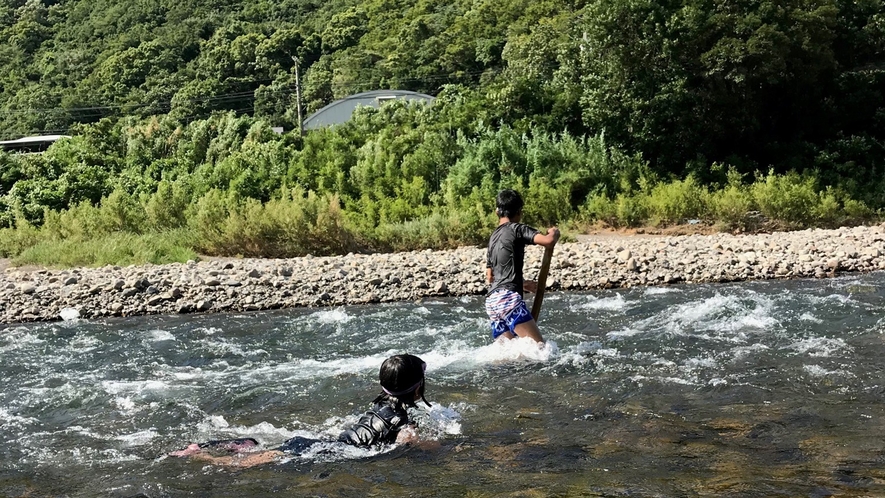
[(665, 380), (334, 316), (158, 335), (614, 303), (819, 371), (744, 351), (720, 318), (832, 298), (84, 343), (657, 291), (18, 337), (701, 363), (723, 314), (522, 348), (139, 438), (223, 347), (808, 317), (582, 354), (820, 346), (624, 333), (445, 419), (125, 404), (120, 387), (8, 419)]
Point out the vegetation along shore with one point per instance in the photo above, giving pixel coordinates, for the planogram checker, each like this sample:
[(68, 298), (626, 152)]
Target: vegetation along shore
[(623, 113), (595, 262)]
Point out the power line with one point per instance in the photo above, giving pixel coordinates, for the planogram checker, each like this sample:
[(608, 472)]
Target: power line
[(248, 93), (98, 111)]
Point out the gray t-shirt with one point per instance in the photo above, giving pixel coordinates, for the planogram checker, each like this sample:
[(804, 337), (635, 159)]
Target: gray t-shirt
[(507, 253)]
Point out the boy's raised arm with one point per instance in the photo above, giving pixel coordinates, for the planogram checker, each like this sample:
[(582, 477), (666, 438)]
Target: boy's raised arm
[(548, 240)]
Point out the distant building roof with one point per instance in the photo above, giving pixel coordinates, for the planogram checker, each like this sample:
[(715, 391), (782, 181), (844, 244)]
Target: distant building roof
[(31, 144), (340, 111)]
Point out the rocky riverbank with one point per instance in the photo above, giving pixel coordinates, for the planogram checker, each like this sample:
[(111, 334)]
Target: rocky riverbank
[(592, 263)]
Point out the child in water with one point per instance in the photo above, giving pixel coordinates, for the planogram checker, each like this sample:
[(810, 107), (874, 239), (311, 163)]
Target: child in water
[(505, 306), (402, 384)]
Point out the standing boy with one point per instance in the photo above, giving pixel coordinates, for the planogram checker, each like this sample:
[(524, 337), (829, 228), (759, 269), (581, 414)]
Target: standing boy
[(504, 303)]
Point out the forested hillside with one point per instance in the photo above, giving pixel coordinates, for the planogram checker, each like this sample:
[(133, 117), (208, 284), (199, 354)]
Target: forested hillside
[(622, 111)]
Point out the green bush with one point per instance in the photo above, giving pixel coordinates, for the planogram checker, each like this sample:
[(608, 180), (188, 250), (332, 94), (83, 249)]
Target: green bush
[(676, 201), (631, 209), (292, 225), (857, 211), (790, 198), (828, 211), (730, 204), (599, 207), (13, 241), (437, 231)]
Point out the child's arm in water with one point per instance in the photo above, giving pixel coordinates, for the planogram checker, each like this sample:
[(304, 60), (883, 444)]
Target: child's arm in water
[(407, 435), (240, 459)]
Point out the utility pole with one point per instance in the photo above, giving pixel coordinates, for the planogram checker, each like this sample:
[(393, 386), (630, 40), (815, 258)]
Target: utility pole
[(298, 95)]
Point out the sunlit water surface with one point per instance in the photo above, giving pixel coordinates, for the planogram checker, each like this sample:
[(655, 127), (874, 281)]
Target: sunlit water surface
[(753, 389)]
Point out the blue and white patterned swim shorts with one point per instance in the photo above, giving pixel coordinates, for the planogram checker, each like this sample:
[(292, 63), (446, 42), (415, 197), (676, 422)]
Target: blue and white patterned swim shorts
[(506, 310)]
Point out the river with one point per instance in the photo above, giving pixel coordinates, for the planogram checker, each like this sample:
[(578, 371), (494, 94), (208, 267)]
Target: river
[(753, 389)]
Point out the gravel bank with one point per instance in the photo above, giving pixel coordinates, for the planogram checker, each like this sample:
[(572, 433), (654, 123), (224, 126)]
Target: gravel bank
[(593, 263)]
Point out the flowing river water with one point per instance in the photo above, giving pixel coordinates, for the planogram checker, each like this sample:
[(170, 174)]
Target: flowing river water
[(753, 389)]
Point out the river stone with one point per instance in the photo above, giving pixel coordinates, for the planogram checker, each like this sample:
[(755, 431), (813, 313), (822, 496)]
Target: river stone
[(155, 300)]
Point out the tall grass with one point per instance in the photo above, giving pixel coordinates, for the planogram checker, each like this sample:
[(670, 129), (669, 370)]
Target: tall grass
[(119, 248)]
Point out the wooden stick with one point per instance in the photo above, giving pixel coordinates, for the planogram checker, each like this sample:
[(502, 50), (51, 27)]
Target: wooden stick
[(542, 282)]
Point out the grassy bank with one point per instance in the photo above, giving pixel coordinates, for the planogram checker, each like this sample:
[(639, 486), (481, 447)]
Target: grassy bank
[(123, 229)]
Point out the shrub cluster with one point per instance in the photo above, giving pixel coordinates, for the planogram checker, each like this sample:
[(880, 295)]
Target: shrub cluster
[(392, 179)]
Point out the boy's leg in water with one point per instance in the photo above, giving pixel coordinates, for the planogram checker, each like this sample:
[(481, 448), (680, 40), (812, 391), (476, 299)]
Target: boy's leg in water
[(529, 329)]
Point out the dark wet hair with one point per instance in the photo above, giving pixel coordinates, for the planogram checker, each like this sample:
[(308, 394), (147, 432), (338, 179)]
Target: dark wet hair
[(401, 376), (508, 203)]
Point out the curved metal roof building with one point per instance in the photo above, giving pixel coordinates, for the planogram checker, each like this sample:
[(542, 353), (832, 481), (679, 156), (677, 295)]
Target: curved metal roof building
[(340, 111)]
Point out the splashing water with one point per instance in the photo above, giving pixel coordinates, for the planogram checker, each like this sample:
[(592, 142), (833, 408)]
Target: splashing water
[(767, 388)]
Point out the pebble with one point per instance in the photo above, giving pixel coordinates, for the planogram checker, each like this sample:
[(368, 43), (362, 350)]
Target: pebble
[(595, 262)]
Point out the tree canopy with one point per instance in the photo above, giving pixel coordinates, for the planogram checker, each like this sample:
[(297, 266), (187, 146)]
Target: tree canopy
[(787, 84)]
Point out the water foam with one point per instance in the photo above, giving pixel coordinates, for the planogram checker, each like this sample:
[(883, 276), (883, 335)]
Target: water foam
[(726, 318), (18, 337), (581, 354), (819, 371), (808, 317), (7, 419), (657, 291), (820, 347), (158, 335), (139, 438), (328, 317), (119, 387), (614, 303)]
